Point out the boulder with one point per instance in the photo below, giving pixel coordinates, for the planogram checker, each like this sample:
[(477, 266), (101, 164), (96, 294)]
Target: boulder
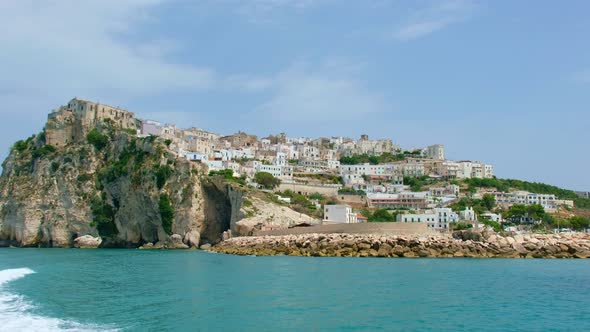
[(519, 248), (582, 254), (87, 241), (492, 238), (192, 239), (468, 234), (364, 245), (399, 250), (205, 246), (148, 245), (175, 242)]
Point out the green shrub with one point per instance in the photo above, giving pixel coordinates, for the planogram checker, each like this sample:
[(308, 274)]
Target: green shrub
[(114, 170), (162, 175), (266, 180), (103, 217), (84, 178), (97, 139), (43, 151), (494, 224), (459, 226), (381, 215), (317, 196), (130, 131), (168, 142), (228, 175), (20, 146), (166, 213), (350, 191), (54, 166)]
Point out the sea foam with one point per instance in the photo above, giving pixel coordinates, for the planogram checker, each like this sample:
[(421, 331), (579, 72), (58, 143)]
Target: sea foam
[(16, 311)]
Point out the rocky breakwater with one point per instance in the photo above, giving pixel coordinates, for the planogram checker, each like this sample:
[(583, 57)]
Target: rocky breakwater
[(459, 244)]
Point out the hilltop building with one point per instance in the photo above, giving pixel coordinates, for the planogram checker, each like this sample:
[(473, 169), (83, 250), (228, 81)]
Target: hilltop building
[(436, 151), (72, 122)]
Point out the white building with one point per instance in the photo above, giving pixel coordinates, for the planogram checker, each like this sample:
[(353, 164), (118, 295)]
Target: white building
[(491, 217), (474, 169), (195, 156), (467, 215), (149, 127), (436, 151), (437, 219), (525, 198), (280, 172), (280, 159), (341, 214)]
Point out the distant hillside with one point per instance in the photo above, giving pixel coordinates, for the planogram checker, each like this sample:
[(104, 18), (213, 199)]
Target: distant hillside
[(535, 187)]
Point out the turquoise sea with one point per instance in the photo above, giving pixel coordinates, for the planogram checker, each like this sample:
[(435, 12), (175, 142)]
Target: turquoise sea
[(134, 290)]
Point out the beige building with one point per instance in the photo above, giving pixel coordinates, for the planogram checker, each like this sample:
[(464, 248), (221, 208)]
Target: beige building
[(71, 122), (436, 151)]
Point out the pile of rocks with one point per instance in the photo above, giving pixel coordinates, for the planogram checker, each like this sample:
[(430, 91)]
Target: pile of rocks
[(459, 244)]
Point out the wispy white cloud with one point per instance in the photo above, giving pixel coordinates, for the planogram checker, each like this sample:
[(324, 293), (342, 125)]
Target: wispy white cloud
[(265, 11), (78, 47), (329, 96), (433, 18), (259, 11), (55, 50)]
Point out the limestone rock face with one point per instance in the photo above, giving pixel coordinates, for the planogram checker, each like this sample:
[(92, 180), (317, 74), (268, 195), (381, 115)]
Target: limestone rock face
[(51, 196), (265, 214), (87, 241)]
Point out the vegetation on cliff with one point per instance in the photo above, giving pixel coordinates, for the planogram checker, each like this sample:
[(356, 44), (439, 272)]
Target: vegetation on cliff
[(128, 190), (266, 180)]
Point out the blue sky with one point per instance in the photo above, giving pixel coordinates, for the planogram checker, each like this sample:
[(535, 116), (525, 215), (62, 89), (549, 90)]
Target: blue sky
[(504, 82)]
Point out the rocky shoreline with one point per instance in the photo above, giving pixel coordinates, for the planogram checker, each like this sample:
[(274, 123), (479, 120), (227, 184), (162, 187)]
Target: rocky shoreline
[(459, 244)]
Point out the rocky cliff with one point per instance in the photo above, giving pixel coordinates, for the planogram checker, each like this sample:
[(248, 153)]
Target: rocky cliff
[(113, 190)]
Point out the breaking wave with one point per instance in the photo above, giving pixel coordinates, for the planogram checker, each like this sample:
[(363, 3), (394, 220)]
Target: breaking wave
[(16, 311)]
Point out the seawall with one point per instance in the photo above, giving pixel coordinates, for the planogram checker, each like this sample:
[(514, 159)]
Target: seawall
[(461, 244), (359, 228)]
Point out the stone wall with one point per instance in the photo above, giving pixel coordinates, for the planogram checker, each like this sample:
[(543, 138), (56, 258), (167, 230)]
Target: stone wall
[(308, 189), (70, 123), (392, 228), (461, 244)]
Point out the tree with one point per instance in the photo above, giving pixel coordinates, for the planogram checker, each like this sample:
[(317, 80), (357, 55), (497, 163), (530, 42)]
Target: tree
[(381, 215), (535, 211), (459, 226), (97, 139), (374, 160), (489, 201), (266, 180), (579, 223), (317, 196)]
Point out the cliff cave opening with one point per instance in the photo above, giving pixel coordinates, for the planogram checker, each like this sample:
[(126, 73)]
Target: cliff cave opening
[(217, 213)]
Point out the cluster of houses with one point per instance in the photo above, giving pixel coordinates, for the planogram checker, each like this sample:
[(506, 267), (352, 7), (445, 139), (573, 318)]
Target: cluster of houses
[(291, 159), (279, 155)]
